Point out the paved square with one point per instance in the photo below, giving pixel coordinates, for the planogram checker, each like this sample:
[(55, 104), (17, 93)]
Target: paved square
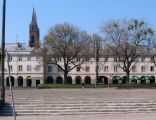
[(84, 104)]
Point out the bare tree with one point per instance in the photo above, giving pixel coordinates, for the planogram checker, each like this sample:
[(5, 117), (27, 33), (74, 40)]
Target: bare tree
[(97, 48), (67, 43), (127, 40)]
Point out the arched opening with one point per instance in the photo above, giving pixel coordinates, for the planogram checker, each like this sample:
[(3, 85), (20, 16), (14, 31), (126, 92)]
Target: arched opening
[(116, 79), (134, 79), (152, 79), (29, 81), (37, 82), (20, 81), (59, 80), (87, 80), (124, 80), (78, 80), (69, 80), (143, 80), (49, 80), (12, 81), (100, 80), (103, 80)]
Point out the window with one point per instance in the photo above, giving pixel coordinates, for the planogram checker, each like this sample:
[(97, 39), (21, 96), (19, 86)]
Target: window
[(78, 59), (10, 58), (20, 68), (142, 59), (115, 59), (143, 68), (29, 58), (87, 69), (58, 59), (28, 67), (152, 68), (59, 69), (105, 68), (115, 68), (87, 59), (133, 68), (37, 67), (37, 58), (106, 59), (49, 68), (19, 58), (78, 69), (10, 67)]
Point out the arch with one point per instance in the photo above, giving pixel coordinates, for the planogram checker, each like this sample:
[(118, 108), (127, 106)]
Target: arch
[(87, 80), (29, 81), (59, 80), (152, 79), (69, 80), (124, 80), (143, 80), (49, 80), (103, 79), (78, 80), (20, 81), (12, 81), (116, 79)]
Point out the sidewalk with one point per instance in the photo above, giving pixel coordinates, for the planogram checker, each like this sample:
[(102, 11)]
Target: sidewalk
[(149, 116)]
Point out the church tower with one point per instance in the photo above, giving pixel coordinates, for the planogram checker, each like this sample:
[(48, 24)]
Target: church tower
[(34, 33)]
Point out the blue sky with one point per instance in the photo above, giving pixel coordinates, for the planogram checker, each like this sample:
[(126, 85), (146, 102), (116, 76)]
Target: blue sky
[(86, 14)]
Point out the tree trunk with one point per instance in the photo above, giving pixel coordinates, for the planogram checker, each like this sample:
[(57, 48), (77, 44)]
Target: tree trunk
[(65, 77), (128, 74)]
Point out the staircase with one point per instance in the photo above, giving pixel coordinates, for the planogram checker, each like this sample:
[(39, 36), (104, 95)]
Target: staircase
[(39, 107)]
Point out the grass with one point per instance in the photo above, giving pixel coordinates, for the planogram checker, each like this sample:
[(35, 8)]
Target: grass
[(120, 86)]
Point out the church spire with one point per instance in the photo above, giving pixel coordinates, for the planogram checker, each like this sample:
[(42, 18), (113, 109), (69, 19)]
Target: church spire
[(34, 18), (34, 34)]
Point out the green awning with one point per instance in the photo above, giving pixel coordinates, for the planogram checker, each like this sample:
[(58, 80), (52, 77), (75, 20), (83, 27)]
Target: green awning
[(134, 78), (117, 78)]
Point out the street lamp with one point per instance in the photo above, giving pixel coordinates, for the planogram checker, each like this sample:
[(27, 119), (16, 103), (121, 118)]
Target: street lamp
[(2, 88)]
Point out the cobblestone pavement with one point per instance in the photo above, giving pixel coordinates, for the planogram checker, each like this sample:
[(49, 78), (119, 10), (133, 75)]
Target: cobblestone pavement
[(107, 94)]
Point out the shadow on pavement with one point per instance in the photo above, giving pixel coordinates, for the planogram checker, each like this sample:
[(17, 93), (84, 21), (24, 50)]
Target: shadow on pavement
[(6, 110)]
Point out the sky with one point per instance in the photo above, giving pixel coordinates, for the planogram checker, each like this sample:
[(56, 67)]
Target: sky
[(85, 14)]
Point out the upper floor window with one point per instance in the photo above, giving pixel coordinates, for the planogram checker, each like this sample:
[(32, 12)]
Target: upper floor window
[(58, 59), (10, 67), (28, 67), (37, 57), (87, 69), (105, 68), (78, 69), (29, 58), (87, 59), (10, 58), (49, 68), (20, 67), (115, 68), (142, 59), (59, 69), (115, 59), (133, 68), (78, 59), (37, 67), (19, 58), (106, 59), (143, 69), (152, 68)]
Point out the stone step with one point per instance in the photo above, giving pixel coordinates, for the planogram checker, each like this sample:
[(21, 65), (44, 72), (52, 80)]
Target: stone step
[(78, 108)]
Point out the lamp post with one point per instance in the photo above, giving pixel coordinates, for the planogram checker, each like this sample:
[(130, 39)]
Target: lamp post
[(2, 88)]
